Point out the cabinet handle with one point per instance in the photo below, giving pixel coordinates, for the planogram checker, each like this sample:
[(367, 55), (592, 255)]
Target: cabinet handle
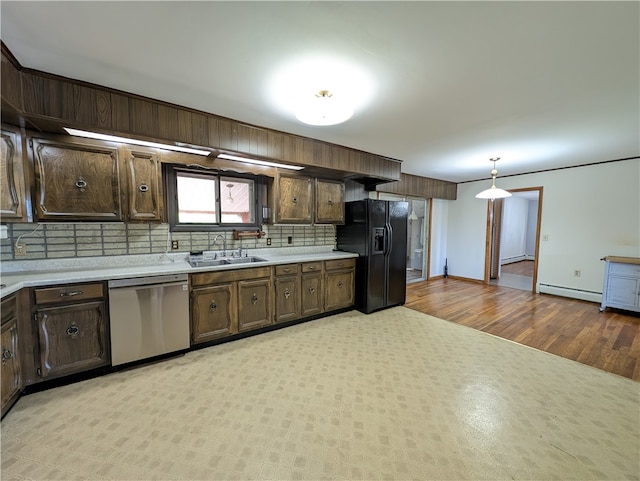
[(287, 294), (73, 330), (339, 283), (143, 188), (7, 355), (295, 200), (287, 269), (254, 299), (70, 293), (312, 290), (312, 268), (81, 183), (213, 306), (330, 202)]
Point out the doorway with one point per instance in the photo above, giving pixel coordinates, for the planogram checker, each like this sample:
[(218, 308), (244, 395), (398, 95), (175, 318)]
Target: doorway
[(513, 239)]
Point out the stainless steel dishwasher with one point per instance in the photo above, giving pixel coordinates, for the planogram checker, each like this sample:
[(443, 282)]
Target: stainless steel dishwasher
[(149, 316)]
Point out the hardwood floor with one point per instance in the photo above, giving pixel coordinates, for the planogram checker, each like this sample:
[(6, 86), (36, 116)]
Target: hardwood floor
[(522, 268), (566, 327)]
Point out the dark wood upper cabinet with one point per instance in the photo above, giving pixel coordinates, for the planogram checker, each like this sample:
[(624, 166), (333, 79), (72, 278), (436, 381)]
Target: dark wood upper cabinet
[(76, 181), (294, 199), (13, 199), (143, 187), (329, 202)]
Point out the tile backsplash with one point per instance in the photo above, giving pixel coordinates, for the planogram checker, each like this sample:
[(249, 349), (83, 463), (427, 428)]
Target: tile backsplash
[(54, 241)]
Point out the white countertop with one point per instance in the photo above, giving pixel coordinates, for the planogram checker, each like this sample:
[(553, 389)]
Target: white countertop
[(18, 274)]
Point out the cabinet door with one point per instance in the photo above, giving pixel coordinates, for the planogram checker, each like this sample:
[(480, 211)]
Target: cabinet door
[(76, 181), (329, 202), (287, 298), (622, 292), (311, 294), (72, 338), (254, 304), (10, 373), (294, 202), (213, 313), (339, 289), (12, 185), (143, 188)]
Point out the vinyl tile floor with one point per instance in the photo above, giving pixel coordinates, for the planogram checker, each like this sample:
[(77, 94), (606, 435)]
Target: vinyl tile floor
[(392, 395)]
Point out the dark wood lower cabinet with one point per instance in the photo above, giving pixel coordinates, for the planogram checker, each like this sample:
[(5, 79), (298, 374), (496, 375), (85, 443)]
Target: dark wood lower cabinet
[(311, 294), (287, 300), (254, 304), (72, 338), (10, 374), (339, 284), (213, 312)]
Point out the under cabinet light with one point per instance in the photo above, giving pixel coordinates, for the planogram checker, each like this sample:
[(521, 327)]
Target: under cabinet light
[(125, 140), (258, 162)]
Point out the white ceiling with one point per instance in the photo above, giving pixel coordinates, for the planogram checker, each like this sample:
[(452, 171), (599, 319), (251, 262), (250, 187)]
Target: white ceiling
[(451, 84)]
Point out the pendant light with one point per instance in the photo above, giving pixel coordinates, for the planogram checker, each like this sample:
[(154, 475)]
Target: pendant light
[(493, 192)]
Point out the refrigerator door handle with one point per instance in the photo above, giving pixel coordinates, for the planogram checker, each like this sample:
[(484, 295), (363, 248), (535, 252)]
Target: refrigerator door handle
[(389, 240)]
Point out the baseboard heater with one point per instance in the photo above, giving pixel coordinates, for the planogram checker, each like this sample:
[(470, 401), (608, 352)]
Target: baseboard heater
[(571, 292)]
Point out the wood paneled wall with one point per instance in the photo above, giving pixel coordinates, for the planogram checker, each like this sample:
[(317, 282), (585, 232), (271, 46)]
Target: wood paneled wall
[(47, 102), (423, 187)]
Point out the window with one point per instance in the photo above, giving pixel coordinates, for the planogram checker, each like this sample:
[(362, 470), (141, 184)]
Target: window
[(201, 200)]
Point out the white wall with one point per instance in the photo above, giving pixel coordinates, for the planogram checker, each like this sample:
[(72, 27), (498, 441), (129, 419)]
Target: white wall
[(513, 238), (587, 213), (438, 232), (532, 224)]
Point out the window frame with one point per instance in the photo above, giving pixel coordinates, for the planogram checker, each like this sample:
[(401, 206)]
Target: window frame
[(171, 172)]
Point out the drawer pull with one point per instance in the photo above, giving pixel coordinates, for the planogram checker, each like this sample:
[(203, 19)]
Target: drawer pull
[(254, 299), (339, 283), (73, 330), (295, 200), (287, 294), (286, 269), (312, 290), (7, 355), (213, 306), (81, 183), (70, 293), (311, 268), (330, 202), (143, 188)]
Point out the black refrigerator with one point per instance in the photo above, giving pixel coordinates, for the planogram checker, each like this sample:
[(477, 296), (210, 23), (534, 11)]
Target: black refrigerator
[(377, 231)]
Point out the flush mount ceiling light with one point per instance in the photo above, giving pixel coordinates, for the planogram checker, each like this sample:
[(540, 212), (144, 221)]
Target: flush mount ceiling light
[(493, 192), (324, 109), (125, 140)]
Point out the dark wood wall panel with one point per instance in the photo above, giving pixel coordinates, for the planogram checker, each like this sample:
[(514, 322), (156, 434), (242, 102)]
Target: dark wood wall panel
[(417, 186), (46, 99), (11, 83)]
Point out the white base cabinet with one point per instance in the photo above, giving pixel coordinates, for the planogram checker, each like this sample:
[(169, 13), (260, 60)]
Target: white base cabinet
[(621, 283)]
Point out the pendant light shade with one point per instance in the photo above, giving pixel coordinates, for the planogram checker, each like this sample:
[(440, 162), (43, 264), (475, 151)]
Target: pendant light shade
[(493, 192)]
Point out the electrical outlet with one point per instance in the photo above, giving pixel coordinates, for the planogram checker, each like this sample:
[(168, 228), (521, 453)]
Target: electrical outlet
[(576, 273), (20, 249), (268, 241), (290, 240), (175, 244)]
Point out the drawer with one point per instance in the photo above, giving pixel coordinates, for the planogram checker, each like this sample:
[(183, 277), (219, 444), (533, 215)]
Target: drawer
[(312, 267), (625, 269), (208, 278), (287, 269), (339, 264), (8, 308), (69, 293)]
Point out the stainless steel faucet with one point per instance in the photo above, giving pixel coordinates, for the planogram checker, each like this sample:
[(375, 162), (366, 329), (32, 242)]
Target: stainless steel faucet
[(224, 243)]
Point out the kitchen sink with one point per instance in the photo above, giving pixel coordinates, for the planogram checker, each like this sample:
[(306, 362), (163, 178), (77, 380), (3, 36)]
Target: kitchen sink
[(225, 262), (243, 260)]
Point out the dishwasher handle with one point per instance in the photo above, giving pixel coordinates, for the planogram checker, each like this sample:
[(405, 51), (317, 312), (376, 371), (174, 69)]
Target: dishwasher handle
[(171, 279)]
